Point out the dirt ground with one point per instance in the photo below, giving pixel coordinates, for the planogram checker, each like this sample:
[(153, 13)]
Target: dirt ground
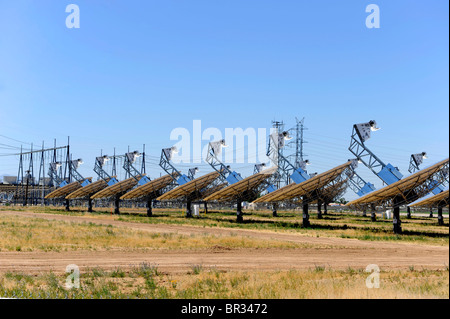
[(335, 253)]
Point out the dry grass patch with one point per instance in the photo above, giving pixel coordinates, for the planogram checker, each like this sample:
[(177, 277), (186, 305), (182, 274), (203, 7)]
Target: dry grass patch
[(37, 234), (419, 230), (145, 281)]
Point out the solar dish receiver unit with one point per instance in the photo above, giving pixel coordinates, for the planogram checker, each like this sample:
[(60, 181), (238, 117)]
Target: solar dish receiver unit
[(105, 180), (149, 191), (277, 142), (65, 188), (177, 178), (414, 165), (405, 191), (166, 164), (386, 172), (243, 190), (286, 172), (73, 173), (194, 190), (440, 201), (415, 161), (89, 190), (307, 191), (116, 190)]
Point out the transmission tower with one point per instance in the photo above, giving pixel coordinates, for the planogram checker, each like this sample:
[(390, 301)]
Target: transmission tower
[(281, 179), (298, 142)]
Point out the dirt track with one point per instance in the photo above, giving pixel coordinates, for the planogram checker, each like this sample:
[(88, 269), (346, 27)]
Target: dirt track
[(340, 253)]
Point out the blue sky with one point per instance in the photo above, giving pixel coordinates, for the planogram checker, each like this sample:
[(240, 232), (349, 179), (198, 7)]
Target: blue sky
[(135, 70)]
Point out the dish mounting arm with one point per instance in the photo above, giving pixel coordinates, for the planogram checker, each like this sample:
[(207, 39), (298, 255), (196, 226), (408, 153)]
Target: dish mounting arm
[(361, 133), (169, 168), (226, 175), (128, 166)]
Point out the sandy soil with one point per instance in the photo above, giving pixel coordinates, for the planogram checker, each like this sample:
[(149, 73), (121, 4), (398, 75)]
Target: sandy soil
[(336, 253)]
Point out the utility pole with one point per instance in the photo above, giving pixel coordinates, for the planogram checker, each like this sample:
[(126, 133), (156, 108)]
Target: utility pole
[(143, 161), (43, 174), (19, 176), (26, 189), (31, 171), (68, 159)]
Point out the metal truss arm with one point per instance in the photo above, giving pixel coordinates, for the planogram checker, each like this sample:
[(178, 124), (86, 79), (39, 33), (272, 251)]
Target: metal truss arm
[(167, 166), (359, 185), (363, 154), (98, 168), (387, 173), (130, 158), (226, 175)]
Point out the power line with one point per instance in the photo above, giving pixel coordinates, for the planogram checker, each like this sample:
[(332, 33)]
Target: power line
[(13, 139)]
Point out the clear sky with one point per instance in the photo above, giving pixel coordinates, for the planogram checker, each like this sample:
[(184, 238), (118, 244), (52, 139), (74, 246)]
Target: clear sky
[(135, 70)]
